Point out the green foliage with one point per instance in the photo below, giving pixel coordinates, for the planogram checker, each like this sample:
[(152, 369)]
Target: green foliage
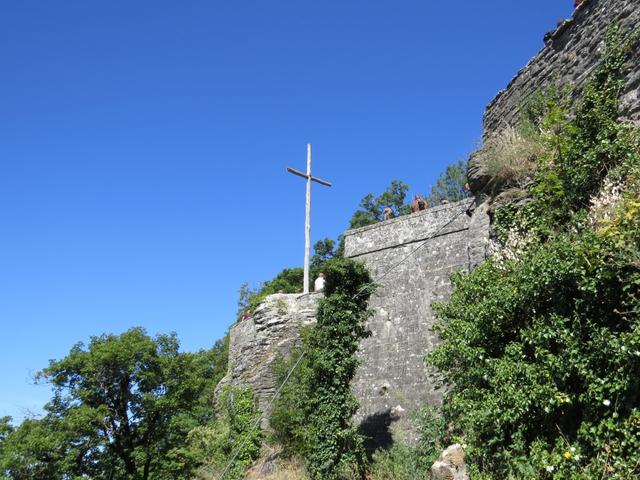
[(289, 418), (541, 344), (598, 141), (5, 430), (450, 185), (233, 430), (584, 147), (122, 408), (289, 280), (544, 109), (372, 208), (400, 462), (245, 294), (323, 250), (313, 416), (542, 349)]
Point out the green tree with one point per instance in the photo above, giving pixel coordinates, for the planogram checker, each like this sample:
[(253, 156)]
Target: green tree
[(41, 449), (372, 208), (122, 406), (5, 428), (232, 432), (323, 250), (450, 185), (245, 294), (288, 280)]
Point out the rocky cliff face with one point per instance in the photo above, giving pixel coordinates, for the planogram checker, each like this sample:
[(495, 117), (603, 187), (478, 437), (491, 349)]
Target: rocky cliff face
[(255, 343), (570, 53)]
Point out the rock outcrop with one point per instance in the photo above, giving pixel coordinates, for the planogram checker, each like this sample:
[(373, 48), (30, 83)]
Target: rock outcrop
[(450, 465), (273, 331), (569, 56)]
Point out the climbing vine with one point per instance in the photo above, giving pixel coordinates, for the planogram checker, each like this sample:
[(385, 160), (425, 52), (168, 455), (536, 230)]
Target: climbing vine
[(313, 416)]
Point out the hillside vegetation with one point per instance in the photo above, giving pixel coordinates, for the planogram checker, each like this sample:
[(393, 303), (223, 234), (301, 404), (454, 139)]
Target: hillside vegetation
[(541, 347)]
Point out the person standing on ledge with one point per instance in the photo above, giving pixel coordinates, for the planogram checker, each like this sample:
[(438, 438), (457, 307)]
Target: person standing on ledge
[(418, 204), (318, 285)]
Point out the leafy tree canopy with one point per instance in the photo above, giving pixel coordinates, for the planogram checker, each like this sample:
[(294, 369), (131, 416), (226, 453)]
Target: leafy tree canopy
[(372, 208), (122, 407), (289, 280), (450, 185)]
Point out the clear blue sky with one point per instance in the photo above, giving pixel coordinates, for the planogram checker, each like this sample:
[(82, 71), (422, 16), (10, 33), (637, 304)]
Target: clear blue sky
[(143, 147)]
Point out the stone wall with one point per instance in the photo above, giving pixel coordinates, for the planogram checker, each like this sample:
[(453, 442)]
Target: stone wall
[(411, 258), (569, 55)]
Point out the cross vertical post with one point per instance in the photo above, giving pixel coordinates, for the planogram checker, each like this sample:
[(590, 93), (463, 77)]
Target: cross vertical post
[(307, 225), (307, 220)]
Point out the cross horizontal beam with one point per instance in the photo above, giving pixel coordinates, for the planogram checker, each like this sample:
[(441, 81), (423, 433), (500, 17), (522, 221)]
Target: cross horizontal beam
[(310, 177)]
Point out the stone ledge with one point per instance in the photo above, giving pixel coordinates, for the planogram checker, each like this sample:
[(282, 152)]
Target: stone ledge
[(407, 229)]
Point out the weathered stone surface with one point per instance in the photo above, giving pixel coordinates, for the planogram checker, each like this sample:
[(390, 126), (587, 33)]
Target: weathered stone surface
[(256, 342), (569, 55), (411, 258), (450, 465), (513, 196), (477, 173)]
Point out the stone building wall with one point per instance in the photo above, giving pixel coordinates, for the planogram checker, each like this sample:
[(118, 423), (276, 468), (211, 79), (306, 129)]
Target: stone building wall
[(569, 55), (411, 258)]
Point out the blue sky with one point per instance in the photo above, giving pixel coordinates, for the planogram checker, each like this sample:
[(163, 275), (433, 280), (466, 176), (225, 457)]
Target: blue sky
[(143, 148)]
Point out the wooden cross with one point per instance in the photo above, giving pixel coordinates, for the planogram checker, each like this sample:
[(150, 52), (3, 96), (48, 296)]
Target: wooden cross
[(307, 222)]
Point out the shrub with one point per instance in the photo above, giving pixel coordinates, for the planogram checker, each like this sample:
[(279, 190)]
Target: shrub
[(541, 348), (290, 413), (213, 445), (404, 462)]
